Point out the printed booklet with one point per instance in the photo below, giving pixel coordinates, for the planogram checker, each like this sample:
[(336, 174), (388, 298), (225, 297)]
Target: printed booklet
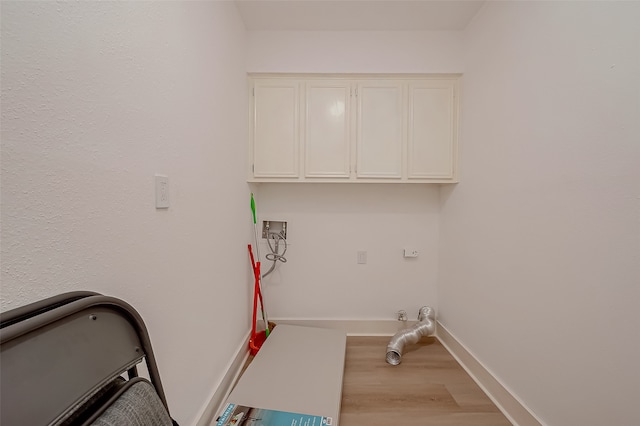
[(236, 415)]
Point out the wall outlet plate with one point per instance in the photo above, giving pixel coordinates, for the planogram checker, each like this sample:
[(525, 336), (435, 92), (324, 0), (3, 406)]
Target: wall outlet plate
[(410, 253), (162, 192)]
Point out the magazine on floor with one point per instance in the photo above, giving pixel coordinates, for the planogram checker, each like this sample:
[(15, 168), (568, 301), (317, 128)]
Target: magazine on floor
[(237, 415)]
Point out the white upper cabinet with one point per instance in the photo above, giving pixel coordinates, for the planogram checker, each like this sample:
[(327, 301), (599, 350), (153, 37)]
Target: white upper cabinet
[(327, 141), (353, 128), (380, 123), (432, 129), (276, 134)]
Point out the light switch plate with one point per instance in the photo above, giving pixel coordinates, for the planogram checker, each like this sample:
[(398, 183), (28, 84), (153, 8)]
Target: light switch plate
[(162, 192)]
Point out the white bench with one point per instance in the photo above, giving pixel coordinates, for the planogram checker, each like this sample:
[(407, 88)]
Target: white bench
[(298, 370)]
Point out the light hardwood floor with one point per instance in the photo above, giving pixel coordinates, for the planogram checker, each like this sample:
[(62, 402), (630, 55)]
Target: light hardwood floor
[(429, 387)]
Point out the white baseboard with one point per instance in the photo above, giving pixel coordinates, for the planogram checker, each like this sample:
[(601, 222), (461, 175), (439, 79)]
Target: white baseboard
[(511, 407), (225, 386)]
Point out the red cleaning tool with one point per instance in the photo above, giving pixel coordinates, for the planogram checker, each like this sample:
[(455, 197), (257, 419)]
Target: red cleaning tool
[(257, 338)]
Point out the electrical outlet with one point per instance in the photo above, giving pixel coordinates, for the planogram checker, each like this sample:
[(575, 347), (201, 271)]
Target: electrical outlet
[(410, 253), (362, 257)]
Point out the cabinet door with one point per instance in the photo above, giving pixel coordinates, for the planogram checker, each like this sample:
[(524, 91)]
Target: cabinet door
[(327, 129), (275, 128), (379, 130), (432, 129)]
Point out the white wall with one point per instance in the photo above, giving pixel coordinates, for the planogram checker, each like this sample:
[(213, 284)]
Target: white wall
[(97, 97), (540, 242), (328, 224), (355, 51)]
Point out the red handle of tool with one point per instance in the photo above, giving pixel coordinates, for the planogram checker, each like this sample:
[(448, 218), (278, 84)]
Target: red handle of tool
[(255, 294), (253, 262)]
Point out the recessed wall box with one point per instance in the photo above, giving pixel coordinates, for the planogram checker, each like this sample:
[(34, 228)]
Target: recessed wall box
[(277, 226)]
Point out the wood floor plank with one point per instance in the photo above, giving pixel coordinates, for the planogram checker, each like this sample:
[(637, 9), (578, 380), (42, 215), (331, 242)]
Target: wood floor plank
[(429, 387)]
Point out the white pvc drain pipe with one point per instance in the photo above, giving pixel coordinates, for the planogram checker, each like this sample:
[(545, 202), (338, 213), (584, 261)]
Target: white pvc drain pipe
[(425, 327)]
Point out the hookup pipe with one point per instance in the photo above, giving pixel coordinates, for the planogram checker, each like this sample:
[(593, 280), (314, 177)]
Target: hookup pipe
[(426, 326)]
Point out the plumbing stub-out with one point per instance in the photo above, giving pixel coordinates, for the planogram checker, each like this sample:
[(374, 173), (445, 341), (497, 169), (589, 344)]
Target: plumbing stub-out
[(274, 226)]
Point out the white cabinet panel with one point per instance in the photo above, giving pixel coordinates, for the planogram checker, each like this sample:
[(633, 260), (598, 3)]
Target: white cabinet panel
[(431, 129), (276, 128), (379, 136), (327, 129)]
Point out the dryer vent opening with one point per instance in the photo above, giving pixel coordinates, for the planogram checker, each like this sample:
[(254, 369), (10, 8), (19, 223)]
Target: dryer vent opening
[(426, 326)]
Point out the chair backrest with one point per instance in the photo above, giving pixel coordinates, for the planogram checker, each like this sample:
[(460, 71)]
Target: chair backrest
[(59, 353)]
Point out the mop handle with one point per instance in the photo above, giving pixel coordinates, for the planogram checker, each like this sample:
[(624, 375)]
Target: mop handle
[(255, 295), (259, 275), (258, 291), (255, 226), (253, 209)]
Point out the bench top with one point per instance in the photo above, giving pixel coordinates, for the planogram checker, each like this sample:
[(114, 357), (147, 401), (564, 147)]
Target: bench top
[(298, 369)]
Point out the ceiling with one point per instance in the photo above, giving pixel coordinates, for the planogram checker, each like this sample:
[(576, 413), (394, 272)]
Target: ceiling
[(357, 15)]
